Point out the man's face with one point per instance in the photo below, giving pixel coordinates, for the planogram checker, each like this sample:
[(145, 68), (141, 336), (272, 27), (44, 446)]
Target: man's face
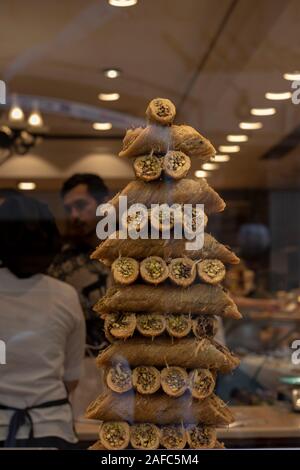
[(80, 207)]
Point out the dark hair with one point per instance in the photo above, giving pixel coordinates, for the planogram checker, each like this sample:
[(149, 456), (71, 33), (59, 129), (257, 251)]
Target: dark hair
[(29, 238), (95, 185)]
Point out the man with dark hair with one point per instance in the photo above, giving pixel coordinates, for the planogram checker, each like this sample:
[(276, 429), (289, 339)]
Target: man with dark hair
[(81, 194)]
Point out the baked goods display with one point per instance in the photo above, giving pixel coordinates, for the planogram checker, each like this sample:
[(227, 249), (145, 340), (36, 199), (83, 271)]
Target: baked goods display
[(161, 313)]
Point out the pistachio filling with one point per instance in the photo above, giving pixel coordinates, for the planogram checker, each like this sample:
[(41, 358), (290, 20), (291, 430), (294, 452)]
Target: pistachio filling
[(125, 267), (136, 220), (201, 382), (120, 322), (154, 268), (121, 375), (176, 161), (200, 436), (178, 323), (114, 434), (146, 378), (150, 322), (149, 165), (181, 270), (175, 380), (166, 216), (144, 435), (161, 109), (205, 326), (212, 268), (172, 436)]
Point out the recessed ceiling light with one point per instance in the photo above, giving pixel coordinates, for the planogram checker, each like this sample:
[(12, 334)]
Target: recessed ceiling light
[(102, 126), (229, 148), (250, 125), (108, 96), (16, 113), (237, 138), (292, 76), (35, 119), (26, 185), (201, 174), (286, 95), (221, 158), (122, 3), (210, 166), (112, 73), (263, 111)]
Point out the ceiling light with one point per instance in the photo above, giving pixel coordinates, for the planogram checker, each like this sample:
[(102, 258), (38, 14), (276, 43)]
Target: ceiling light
[(250, 125), (102, 126), (16, 113), (237, 138), (292, 76), (210, 166), (201, 174), (221, 158), (263, 111), (35, 119), (27, 185), (108, 96), (122, 3), (112, 73), (278, 96), (229, 148)]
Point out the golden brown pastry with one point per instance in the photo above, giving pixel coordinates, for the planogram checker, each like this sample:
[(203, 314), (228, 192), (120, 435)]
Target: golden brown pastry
[(178, 326), (135, 221), (182, 271), (211, 271), (154, 270), (173, 437), (144, 436), (125, 270), (162, 218), (161, 111), (205, 326), (143, 141), (176, 164), (114, 435), (201, 437), (150, 324), (198, 299), (160, 352), (118, 378), (111, 248), (201, 383), (194, 222), (191, 142), (146, 379), (147, 167), (174, 381), (120, 325), (159, 408)]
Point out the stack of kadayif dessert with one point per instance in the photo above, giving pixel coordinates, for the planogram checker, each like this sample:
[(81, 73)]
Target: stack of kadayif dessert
[(160, 316)]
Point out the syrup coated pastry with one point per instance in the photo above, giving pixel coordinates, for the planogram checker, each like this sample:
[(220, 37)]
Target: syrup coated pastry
[(147, 167), (154, 270), (201, 437), (111, 248), (184, 191), (205, 326), (125, 270), (159, 408), (118, 378), (173, 437), (144, 436), (192, 143), (114, 435), (198, 299), (189, 353), (161, 111), (144, 141), (211, 271), (182, 271), (150, 324), (176, 164), (120, 325), (178, 325), (202, 383), (146, 379), (174, 381)]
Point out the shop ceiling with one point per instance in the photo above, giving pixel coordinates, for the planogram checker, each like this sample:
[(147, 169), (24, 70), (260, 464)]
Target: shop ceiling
[(215, 59)]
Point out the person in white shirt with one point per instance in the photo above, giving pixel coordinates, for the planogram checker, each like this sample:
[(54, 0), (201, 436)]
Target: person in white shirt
[(43, 329)]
